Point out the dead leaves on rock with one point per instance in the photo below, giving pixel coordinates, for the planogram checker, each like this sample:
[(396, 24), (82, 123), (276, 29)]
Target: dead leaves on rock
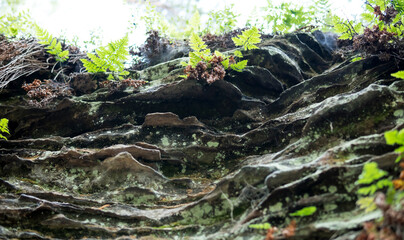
[(287, 232), (43, 92)]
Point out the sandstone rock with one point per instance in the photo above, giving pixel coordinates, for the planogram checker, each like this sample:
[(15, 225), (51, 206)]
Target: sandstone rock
[(170, 120)]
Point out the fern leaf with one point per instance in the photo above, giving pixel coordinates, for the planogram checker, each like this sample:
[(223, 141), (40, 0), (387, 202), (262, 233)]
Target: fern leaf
[(399, 74), (239, 66), (248, 39), (4, 127), (194, 58), (53, 46), (196, 43), (110, 57), (238, 54), (225, 63)]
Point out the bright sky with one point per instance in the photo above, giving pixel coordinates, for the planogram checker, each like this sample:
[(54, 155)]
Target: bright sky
[(112, 17)]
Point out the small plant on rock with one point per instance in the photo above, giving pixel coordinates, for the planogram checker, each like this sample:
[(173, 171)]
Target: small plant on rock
[(388, 198), (53, 46), (4, 127), (109, 59), (208, 67)]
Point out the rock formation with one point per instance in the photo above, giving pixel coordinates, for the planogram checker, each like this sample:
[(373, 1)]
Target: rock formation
[(176, 158)]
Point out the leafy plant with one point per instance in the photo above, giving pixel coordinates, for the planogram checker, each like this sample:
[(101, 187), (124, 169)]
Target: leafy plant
[(396, 137), (4, 127), (109, 58), (264, 226), (372, 176), (203, 65), (154, 20), (248, 39), (286, 17), (399, 74), (11, 25), (307, 211), (347, 28), (356, 59), (221, 21), (323, 16), (53, 46), (193, 24)]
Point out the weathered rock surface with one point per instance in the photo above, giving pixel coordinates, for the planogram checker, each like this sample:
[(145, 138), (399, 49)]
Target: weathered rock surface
[(177, 158)]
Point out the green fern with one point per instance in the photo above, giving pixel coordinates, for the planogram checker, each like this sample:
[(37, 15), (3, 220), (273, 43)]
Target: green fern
[(239, 66), (200, 53), (264, 226), (109, 58), (399, 74), (193, 24), (286, 17), (307, 211), (13, 25), (372, 175), (221, 21), (399, 5), (53, 46), (4, 127), (348, 29), (394, 136), (248, 39)]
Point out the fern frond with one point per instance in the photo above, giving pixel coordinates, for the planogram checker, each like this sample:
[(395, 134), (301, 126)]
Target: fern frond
[(248, 39), (53, 46), (4, 127), (109, 58), (239, 66), (43, 35), (196, 43), (399, 5)]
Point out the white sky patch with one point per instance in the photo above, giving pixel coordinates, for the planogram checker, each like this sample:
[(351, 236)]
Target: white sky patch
[(111, 18)]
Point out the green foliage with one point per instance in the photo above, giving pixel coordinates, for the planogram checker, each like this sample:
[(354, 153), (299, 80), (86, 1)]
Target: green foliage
[(174, 29), (322, 15), (154, 20), (399, 74), (286, 17), (239, 66), (375, 178), (194, 24), (371, 176), (356, 59), (398, 5), (13, 25), (347, 28), (109, 58), (217, 61), (264, 226), (248, 39), (53, 46), (221, 21), (200, 53), (396, 137), (307, 211), (367, 203), (4, 127)]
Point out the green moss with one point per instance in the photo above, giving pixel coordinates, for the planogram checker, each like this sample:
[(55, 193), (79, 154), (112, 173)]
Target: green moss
[(165, 141), (332, 189), (276, 208), (206, 213), (213, 144)]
